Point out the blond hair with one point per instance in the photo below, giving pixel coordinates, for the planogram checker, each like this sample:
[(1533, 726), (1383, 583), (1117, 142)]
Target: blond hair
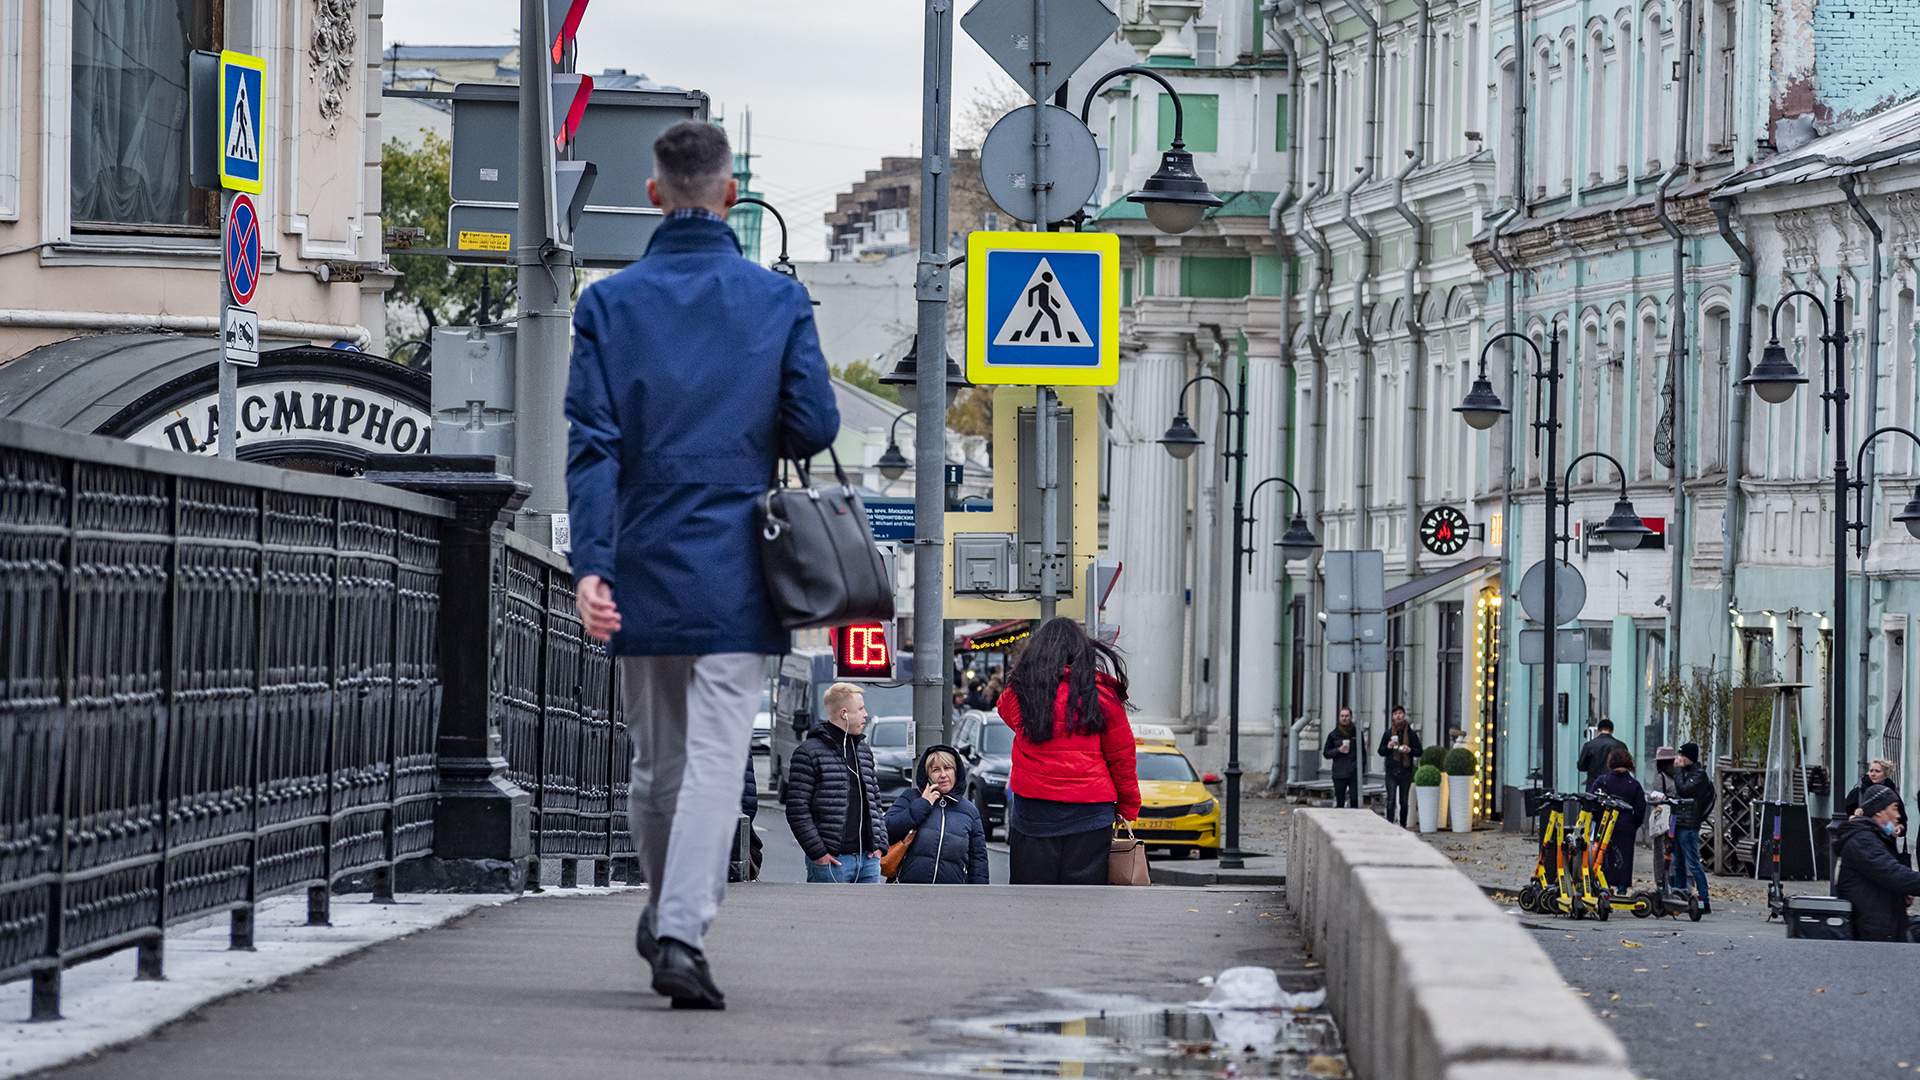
[(941, 757), (1885, 767), (839, 696)]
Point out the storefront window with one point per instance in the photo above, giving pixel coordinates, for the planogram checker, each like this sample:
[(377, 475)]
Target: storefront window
[(1599, 674), (1297, 707), (1396, 661), (1653, 649), (1451, 657), (129, 148)]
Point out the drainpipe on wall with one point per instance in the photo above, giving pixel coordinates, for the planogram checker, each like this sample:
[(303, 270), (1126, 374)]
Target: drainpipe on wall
[(1318, 305), (1362, 331), (1283, 622), (1677, 531), (1868, 467), (1737, 401), (1416, 412)]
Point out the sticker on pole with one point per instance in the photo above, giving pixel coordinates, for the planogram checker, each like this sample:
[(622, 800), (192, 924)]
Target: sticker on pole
[(241, 79), (1043, 309), (240, 242)]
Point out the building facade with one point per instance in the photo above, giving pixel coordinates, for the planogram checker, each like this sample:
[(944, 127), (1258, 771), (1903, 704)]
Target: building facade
[(1404, 181), (101, 229)]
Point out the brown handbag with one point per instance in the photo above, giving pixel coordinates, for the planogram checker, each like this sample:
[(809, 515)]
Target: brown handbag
[(896, 854), (1127, 860)]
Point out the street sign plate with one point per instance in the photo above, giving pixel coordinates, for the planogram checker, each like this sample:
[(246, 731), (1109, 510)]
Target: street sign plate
[(242, 149), (1570, 646), (1005, 30), (240, 336), (1073, 163), (890, 519), (1043, 309), (1570, 588), (240, 241)]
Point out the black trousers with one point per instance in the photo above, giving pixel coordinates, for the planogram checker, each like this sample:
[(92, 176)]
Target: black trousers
[(1346, 792), (1399, 788), (1073, 859)]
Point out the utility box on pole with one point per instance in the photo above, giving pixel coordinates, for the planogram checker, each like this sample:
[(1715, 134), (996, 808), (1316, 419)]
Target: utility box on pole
[(473, 390), (1030, 502)]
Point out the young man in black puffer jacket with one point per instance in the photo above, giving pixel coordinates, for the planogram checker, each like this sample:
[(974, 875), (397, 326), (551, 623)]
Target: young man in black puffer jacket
[(833, 797), (1866, 873)]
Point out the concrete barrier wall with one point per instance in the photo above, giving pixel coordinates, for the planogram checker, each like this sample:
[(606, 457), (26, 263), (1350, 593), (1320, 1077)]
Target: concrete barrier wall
[(1429, 980)]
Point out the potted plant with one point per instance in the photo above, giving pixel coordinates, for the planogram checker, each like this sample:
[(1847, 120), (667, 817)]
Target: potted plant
[(1435, 756), (1459, 766), (1426, 797)]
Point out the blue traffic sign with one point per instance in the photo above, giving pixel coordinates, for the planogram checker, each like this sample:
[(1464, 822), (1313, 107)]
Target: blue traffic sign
[(1043, 308), (241, 244), (890, 519), (242, 78)]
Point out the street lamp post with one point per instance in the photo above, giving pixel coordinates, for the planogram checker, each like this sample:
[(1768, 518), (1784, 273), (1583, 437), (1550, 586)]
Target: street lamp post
[(1181, 441), (892, 463), (782, 264), (1175, 197), (1775, 379)]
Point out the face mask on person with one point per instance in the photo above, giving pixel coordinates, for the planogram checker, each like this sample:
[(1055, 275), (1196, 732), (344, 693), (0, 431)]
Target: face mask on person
[(1886, 827)]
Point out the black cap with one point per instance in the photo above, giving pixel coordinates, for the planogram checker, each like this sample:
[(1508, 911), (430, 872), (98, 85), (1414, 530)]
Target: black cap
[(1690, 751)]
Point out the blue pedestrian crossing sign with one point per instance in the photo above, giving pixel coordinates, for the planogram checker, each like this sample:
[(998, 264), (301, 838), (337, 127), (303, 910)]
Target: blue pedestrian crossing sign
[(1043, 309), (242, 78)]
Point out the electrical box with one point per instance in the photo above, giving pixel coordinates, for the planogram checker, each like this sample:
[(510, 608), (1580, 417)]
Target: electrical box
[(473, 390), (983, 563), (1030, 503)]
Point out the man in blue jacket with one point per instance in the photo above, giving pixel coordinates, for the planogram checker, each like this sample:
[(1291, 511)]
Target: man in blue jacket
[(693, 370)]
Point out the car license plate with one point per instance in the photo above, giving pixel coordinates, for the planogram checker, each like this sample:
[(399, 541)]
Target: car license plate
[(1144, 823)]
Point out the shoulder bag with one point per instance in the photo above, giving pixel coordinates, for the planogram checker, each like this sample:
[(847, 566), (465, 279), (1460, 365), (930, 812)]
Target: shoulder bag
[(818, 555)]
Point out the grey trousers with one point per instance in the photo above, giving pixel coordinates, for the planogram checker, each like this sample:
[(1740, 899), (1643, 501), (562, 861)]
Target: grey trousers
[(690, 719)]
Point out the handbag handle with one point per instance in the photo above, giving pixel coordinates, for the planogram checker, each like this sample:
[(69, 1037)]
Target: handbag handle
[(803, 469), (773, 526)]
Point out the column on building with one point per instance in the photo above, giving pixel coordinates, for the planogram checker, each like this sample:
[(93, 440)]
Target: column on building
[(1148, 511), (1261, 699)]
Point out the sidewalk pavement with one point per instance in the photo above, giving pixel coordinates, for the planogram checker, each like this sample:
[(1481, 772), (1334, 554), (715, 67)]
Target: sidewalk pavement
[(820, 982)]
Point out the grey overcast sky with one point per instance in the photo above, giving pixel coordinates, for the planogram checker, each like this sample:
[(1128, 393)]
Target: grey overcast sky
[(833, 84)]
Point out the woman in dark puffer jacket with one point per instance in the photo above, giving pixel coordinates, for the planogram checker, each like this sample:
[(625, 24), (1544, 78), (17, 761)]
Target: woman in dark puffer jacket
[(949, 842)]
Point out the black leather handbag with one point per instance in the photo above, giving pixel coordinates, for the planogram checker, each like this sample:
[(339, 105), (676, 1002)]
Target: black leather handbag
[(818, 555)]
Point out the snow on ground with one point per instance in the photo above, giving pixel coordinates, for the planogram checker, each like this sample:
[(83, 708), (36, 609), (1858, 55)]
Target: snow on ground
[(104, 1006)]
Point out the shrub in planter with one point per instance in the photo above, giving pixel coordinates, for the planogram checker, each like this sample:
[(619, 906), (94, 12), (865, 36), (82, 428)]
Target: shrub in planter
[(1426, 776), (1459, 762), (1435, 756)]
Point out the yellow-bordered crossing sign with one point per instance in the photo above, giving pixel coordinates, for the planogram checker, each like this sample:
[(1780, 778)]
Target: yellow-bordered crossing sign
[(1043, 308), (242, 150)]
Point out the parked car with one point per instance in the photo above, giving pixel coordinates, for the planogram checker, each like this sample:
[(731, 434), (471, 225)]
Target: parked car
[(987, 744), (891, 739), (1177, 811), (763, 724)]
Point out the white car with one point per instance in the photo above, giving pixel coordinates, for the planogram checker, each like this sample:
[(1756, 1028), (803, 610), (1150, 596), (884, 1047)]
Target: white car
[(763, 726)]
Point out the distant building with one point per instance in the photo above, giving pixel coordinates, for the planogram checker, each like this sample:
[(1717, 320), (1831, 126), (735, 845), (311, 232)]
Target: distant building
[(880, 215)]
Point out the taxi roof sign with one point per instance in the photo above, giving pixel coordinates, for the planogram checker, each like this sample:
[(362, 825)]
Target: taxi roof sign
[(1153, 733), (1043, 309)]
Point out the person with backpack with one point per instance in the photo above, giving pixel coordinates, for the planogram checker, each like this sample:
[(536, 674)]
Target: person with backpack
[(1073, 760), (946, 842)]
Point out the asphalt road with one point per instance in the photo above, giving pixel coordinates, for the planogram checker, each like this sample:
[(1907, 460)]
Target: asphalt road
[(1730, 998), (817, 987)]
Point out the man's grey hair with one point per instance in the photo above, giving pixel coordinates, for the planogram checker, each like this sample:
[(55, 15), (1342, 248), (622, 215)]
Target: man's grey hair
[(692, 163)]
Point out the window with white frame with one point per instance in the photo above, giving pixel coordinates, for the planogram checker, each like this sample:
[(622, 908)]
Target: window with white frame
[(1653, 79), (10, 126), (1716, 355), (129, 114), (1569, 123), (1721, 24), (1623, 89), (1598, 169), (1646, 377)]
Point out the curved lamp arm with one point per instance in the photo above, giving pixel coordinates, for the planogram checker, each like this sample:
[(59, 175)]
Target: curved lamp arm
[(754, 200), (1773, 319), (895, 429), (1255, 494), (1538, 360), (1179, 117), (1609, 458), (1181, 405)]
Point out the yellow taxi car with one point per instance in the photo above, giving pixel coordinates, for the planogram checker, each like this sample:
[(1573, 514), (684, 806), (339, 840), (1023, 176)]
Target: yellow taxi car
[(1176, 809)]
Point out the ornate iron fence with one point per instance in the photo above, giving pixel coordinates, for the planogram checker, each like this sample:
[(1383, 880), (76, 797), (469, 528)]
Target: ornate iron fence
[(218, 682)]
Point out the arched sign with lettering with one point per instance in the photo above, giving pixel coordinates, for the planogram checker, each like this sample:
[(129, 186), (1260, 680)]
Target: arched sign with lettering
[(309, 407)]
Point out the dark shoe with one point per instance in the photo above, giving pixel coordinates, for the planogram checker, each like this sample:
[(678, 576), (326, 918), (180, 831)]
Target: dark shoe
[(1706, 909), (644, 942), (680, 972)]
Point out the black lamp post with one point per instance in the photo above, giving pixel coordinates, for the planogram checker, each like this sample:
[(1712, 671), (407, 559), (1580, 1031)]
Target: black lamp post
[(1775, 379), (1175, 197), (1623, 530), (1181, 441), (892, 463), (781, 264)]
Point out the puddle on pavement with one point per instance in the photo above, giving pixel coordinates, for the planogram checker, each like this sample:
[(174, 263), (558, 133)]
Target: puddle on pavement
[(1136, 1039)]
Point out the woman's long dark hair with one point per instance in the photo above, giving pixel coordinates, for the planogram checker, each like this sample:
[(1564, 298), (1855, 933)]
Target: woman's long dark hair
[(1059, 650)]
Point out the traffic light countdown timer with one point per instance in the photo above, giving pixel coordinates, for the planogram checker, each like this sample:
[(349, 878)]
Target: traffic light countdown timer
[(861, 651)]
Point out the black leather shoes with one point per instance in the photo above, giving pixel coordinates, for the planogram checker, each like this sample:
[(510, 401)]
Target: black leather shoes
[(680, 972)]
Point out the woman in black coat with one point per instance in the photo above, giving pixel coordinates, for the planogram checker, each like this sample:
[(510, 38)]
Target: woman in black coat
[(1619, 782), (949, 842)]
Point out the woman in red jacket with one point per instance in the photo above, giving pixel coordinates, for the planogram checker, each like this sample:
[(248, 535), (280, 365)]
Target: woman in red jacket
[(1073, 771)]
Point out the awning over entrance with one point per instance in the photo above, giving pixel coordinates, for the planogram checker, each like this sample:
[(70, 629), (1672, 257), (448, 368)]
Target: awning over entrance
[(302, 407), (1407, 592), (1002, 635)]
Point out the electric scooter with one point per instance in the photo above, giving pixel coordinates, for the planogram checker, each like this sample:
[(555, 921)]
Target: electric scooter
[(1664, 899), (1547, 892)]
